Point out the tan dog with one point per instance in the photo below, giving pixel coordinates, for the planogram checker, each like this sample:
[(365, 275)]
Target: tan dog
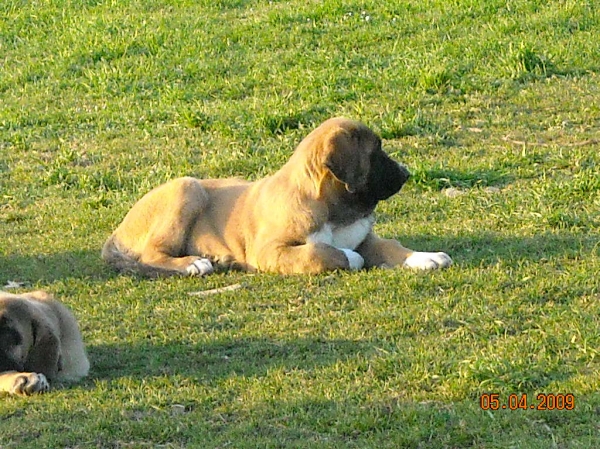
[(314, 214), (39, 341)]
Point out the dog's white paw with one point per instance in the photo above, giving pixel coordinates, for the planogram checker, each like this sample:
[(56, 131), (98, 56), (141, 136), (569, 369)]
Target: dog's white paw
[(200, 267), (30, 383), (427, 261), (355, 260)]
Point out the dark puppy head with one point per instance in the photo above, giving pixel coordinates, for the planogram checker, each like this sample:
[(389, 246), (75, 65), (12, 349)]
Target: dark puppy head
[(12, 345), (362, 173), (27, 340)]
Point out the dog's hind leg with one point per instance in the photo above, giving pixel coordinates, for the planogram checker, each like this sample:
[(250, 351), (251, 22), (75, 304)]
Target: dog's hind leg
[(155, 232), (187, 265)]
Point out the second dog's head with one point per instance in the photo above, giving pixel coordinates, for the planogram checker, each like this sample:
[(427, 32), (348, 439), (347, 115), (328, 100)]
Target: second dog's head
[(26, 342), (14, 334)]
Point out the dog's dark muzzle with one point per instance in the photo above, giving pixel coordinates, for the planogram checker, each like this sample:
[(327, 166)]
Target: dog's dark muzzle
[(386, 176)]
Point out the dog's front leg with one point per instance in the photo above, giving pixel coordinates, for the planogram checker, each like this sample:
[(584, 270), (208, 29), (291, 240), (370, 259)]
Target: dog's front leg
[(379, 252), (25, 384), (309, 258)]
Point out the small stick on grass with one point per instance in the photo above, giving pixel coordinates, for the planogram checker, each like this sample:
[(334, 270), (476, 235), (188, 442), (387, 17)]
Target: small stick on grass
[(215, 291)]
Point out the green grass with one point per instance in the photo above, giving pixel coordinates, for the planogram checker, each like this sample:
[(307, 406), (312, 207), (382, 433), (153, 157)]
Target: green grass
[(493, 105)]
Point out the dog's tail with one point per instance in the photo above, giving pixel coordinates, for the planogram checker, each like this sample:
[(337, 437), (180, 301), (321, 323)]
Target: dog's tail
[(127, 263)]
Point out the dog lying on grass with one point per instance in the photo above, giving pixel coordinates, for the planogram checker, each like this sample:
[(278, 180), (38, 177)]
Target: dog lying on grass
[(313, 215), (39, 342)]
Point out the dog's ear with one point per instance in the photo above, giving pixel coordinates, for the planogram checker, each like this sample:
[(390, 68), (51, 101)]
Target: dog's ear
[(345, 159), (44, 355)]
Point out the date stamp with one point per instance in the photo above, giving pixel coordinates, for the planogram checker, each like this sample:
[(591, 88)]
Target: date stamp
[(542, 401)]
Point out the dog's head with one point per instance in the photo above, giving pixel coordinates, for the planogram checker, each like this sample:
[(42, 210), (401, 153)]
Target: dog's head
[(361, 173), (27, 341), (15, 335)]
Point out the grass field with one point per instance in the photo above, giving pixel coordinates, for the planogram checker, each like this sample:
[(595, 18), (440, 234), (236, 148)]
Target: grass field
[(493, 105)]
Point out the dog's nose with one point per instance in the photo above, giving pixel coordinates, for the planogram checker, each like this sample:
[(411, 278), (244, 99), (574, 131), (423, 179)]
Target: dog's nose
[(404, 171)]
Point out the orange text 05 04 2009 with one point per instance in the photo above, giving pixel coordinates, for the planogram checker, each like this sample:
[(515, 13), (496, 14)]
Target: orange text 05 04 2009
[(542, 401)]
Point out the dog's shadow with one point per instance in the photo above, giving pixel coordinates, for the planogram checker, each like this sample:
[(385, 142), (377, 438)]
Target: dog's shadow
[(486, 249), (48, 268), (250, 357), (258, 358)]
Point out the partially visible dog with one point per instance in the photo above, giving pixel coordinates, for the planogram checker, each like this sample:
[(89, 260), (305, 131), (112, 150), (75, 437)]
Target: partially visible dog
[(40, 342), (314, 214)]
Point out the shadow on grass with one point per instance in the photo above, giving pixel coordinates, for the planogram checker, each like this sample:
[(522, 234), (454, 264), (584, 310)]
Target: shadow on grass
[(250, 357), (489, 248), (258, 357), (47, 268)]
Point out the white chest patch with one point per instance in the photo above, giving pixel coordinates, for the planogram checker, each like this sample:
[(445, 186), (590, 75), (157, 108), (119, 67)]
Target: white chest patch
[(347, 237)]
